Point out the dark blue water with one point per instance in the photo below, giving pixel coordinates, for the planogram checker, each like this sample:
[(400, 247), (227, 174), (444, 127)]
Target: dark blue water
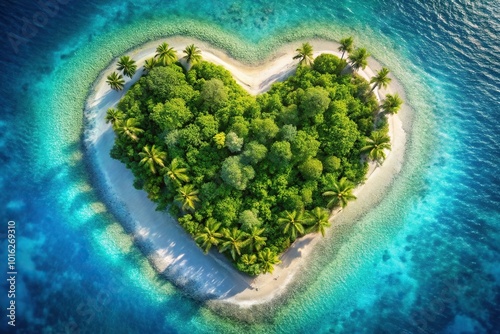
[(425, 260)]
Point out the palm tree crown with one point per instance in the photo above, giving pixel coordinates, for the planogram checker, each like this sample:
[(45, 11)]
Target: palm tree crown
[(127, 65), (341, 193), (150, 63), (267, 260), (392, 103), (359, 59), (292, 222), (305, 54), (114, 116), (152, 157), (375, 146), (249, 259), (128, 128), (176, 173), (115, 81), (318, 219), (235, 241), (209, 236), (381, 79), (187, 196), (193, 54), (165, 54), (346, 45), (255, 240)]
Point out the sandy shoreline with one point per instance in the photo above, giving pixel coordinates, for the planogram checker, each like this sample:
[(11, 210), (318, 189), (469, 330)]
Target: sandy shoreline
[(169, 248)]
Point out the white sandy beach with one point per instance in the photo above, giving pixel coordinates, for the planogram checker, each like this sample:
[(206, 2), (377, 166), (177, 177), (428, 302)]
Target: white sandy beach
[(171, 250)]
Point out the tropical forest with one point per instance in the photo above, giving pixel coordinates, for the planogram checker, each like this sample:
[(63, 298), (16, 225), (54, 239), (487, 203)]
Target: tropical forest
[(247, 175)]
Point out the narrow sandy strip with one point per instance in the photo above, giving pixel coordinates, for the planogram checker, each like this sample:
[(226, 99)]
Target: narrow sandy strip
[(169, 248)]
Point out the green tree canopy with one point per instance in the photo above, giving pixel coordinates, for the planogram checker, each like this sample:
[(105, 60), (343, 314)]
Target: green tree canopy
[(315, 102), (288, 132), (331, 164), (233, 142), (171, 115), (235, 173), (304, 146), (280, 153), (311, 169), (253, 153), (328, 64), (165, 83), (248, 219), (264, 129), (214, 94)]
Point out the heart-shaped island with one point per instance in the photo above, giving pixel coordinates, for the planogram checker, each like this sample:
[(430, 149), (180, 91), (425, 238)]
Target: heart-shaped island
[(243, 174)]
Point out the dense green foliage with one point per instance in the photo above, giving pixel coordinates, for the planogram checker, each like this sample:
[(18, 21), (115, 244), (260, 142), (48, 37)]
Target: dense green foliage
[(247, 175)]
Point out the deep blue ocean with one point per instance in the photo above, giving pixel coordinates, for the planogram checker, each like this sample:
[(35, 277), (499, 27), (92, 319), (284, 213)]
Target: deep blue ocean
[(426, 259)]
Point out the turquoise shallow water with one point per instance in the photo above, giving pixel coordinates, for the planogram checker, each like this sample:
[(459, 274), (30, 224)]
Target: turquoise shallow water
[(425, 260)]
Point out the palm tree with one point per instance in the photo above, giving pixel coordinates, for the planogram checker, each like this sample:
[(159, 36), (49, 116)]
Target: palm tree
[(318, 218), (127, 65), (176, 173), (375, 146), (235, 241), (346, 45), (293, 223), (193, 54), (255, 241), (305, 54), (209, 235), (267, 260), (248, 259), (358, 59), (115, 81), (381, 79), (114, 116), (188, 196), (341, 193), (392, 103), (165, 54), (152, 157), (150, 63), (128, 128)]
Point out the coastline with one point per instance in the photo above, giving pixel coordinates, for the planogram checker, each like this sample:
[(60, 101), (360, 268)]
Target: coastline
[(164, 242)]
